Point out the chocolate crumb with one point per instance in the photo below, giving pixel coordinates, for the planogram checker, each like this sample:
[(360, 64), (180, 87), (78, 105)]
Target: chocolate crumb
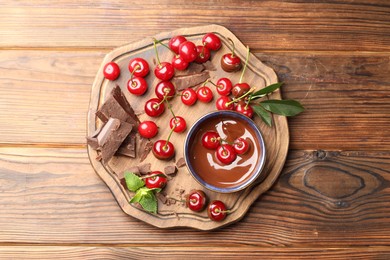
[(144, 168), (162, 197), (170, 170), (180, 163), (134, 170)]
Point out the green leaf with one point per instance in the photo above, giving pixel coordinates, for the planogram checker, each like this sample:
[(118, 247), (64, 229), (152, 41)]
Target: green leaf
[(267, 90), (282, 107), (146, 198), (133, 182), (264, 115)]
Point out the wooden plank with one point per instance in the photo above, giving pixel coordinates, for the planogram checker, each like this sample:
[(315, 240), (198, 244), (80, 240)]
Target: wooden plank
[(341, 92), (153, 252), (270, 25), (323, 198)]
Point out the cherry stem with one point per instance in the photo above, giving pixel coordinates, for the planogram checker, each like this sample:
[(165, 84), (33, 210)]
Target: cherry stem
[(231, 41), (170, 109), (169, 137), (155, 49), (169, 197), (135, 69), (151, 176), (204, 83), (166, 46), (245, 65), (240, 97), (217, 86)]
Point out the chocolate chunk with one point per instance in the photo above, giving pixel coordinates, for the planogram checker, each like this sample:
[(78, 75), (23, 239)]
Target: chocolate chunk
[(116, 106), (144, 147), (111, 137), (128, 146), (144, 168), (208, 65), (193, 68), (180, 163), (92, 140), (189, 81), (170, 170), (162, 197), (134, 170)]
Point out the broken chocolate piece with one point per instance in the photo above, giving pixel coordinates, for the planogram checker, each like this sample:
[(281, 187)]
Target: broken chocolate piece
[(144, 147), (111, 137), (208, 65), (170, 170), (134, 170), (92, 140), (193, 68), (144, 168), (189, 81), (162, 197), (181, 163), (116, 106), (128, 146)]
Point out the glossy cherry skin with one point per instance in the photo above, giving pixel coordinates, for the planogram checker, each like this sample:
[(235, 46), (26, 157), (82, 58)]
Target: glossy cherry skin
[(188, 51), (178, 63), (137, 86), (240, 89), (179, 123), (156, 180), (244, 109), (189, 97), (148, 129), (175, 42), (164, 71), (196, 200), (204, 94), (210, 140), (241, 146), (226, 154), (163, 150), (230, 63), (153, 107), (212, 41), (223, 103), (203, 54), (111, 71), (224, 86), (217, 210), (165, 88), (139, 67)]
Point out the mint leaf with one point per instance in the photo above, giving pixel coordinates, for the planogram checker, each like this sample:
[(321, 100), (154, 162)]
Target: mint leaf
[(146, 198), (267, 90), (133, 182), (282, 107), (264, 115)]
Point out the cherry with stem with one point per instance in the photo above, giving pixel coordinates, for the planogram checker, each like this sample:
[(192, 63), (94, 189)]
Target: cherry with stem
[(163, 70)]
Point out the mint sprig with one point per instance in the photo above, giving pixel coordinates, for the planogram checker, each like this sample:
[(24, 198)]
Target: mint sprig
[(143, 195)]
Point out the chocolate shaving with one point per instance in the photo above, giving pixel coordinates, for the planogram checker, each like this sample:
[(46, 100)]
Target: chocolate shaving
[(180, 163), (189, 81), (144, 147), (144, 168), (162, 197)]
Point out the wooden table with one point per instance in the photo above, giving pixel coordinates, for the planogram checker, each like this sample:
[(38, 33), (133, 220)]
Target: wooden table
[(332, 199)]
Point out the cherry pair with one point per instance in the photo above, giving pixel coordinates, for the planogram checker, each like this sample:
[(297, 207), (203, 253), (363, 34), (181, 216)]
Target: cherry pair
[(138, 68)]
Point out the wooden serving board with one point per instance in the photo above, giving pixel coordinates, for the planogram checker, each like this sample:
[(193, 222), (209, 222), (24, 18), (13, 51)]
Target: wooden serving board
[(177, 215)]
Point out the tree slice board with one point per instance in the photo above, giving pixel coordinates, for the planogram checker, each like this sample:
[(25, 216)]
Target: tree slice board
[(177, 215)]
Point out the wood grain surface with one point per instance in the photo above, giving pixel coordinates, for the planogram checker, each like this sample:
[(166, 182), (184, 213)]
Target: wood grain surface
[(331, 200)]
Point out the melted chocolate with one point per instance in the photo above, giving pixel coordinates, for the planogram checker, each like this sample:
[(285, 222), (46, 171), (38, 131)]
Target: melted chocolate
[(206, 164)]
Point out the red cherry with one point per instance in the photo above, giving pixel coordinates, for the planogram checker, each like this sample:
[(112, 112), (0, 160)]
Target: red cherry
[(189, 97), (154, 107), (188, 51), (155, 179), (148, 129), (196, 200), (163, 150), (240, 89), (139, 67), (212, 41), (217, 210), (226, 154), (111, 71), (224, 86), (210, 140), (204, 94), (165, 89), (164, 71), (224, 103), (178, 124), (241, 145), (244, 109), (137, 86), (203, 54), (175, 42), (230, 63), (178, 63)]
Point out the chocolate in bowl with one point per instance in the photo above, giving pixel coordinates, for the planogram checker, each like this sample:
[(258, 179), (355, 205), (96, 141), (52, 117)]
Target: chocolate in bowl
[(207, 169)]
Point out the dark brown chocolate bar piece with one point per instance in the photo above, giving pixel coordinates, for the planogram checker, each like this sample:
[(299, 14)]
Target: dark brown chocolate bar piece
[(111, 137), (189, 81), (116, 106), (128, 147)]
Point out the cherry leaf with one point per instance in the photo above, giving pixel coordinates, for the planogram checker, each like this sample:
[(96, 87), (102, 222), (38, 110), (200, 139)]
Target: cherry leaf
[(282, 107), (264, 115)]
